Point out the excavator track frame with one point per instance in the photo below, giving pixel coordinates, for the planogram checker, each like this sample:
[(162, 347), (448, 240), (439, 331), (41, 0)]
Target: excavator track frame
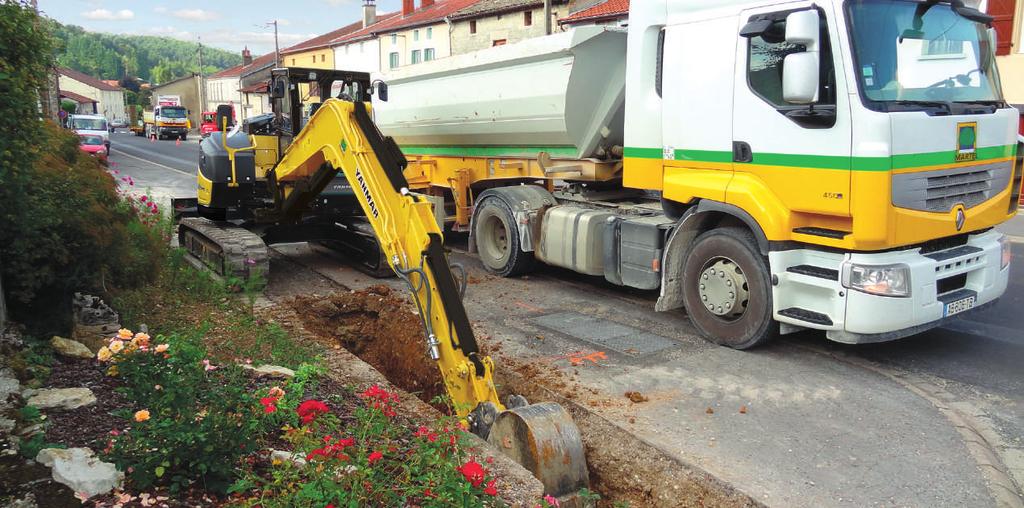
[(225, 249)]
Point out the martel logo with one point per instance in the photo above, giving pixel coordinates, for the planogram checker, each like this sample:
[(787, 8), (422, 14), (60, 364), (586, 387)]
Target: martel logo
[(966, 141)]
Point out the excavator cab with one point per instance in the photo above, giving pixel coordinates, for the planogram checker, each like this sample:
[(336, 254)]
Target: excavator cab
[(333, 137)]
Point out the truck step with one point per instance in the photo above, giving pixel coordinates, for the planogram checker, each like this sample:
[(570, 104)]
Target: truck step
[(815, 271), (808, 316), (827, 233)]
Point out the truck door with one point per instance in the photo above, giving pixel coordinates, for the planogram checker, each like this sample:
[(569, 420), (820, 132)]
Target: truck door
[(791, 160)]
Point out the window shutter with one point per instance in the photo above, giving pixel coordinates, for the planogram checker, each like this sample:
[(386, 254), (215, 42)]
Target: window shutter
[(1002, 11)]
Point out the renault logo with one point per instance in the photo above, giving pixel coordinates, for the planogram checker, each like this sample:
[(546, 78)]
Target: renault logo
[(961, 218)]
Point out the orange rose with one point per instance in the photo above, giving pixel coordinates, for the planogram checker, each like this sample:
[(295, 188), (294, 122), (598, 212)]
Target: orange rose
[(141, 415)]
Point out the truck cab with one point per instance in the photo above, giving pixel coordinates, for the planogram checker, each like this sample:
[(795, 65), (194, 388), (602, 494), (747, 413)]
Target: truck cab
[(865, 145), (96, 125), (170, 122)]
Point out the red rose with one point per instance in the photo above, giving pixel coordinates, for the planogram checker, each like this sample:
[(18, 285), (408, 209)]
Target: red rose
[(309, 410), (473, 472), (374, 457), (491, 489)]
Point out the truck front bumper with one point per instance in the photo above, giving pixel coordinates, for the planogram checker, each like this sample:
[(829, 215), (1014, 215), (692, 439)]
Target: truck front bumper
[(172, 131), (810, 291)]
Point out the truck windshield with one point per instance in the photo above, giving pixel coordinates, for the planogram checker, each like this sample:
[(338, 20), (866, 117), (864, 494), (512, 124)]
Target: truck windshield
[(172, 112), (913, 55), (89, 124)]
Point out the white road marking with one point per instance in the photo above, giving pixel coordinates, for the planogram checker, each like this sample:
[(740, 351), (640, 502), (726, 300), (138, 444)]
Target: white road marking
[(126, 154)]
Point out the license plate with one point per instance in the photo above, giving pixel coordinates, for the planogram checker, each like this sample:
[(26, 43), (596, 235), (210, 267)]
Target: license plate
[(960, 305)]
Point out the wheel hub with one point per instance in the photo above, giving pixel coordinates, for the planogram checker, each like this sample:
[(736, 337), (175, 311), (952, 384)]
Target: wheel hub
[(723, 288)]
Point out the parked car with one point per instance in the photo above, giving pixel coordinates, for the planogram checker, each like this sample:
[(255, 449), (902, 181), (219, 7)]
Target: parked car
[(93, 144), (91, 124), (118, 124)]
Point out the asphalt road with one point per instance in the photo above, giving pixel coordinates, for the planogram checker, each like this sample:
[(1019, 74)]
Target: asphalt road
[(932, 420)]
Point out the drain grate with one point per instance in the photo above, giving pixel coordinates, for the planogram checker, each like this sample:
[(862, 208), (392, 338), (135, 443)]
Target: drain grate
[(606, 334)]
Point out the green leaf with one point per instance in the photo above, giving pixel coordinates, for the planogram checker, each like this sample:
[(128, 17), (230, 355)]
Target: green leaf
[(159, 472)]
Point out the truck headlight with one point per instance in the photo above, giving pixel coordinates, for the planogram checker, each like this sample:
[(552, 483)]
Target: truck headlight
[(883, 280), (1007, 252)]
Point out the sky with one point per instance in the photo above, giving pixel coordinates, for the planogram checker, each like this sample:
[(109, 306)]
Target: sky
[(230, 24)]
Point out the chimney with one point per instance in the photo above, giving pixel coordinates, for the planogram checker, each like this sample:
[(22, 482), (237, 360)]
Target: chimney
[(408, 6), (369, 13), (246, 56), (426, 3)]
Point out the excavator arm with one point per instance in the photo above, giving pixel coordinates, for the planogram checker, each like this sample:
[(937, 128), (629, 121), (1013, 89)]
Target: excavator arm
[(341, 137)]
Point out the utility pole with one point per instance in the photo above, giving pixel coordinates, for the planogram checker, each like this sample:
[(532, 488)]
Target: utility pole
[(547, 17), (277, 47), (202, 84)]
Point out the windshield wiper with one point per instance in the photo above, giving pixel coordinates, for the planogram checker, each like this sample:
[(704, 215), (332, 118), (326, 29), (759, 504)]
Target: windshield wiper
[(933, 104)]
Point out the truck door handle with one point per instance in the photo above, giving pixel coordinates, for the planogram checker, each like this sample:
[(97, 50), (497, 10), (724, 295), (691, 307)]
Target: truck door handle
[(741, 152)]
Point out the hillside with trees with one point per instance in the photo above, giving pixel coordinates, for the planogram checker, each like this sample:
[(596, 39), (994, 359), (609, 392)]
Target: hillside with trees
[(116, 56)]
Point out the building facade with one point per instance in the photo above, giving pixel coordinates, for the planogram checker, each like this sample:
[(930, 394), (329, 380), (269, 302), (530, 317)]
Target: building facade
[(489, 23), (417, 34), (605, 12), (109, 98), (316, 53), (360, 50), (188, 88)]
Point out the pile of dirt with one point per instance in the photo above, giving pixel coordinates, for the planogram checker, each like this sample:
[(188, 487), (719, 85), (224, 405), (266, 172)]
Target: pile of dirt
[(380, 328)]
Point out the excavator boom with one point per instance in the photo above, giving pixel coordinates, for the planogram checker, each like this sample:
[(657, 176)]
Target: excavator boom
[(341, 137)]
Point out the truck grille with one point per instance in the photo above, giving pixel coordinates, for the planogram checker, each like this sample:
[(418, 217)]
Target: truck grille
[(942, 189)]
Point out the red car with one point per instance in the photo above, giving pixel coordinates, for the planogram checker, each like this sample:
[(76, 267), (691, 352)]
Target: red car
[(93, 145)]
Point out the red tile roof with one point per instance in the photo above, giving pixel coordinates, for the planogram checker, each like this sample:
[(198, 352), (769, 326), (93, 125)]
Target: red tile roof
[(81, 99), (87, 79), (256, 88), (364, 33), (609, 9), (323, 40), (432, 14), (238, 70)]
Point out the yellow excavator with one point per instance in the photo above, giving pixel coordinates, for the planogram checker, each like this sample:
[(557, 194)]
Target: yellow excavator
[(271, 177)]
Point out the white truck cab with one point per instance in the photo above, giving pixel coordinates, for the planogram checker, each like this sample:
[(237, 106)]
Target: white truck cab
[(91, 124)]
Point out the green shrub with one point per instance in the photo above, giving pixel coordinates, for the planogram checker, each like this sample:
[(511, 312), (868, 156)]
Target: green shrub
[(372, 461), (190, 422)]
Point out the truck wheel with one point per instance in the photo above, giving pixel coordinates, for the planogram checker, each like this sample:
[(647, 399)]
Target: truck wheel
[(184, 137), (497, 240), (726, 289)]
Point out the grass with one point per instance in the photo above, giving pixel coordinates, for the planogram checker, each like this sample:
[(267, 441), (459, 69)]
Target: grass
[(196, 306)]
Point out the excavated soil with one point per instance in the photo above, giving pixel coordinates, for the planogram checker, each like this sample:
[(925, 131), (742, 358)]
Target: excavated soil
[(380, 328)]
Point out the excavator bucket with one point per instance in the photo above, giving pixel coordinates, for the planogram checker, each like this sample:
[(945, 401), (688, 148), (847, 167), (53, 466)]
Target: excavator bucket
[(543, 439)]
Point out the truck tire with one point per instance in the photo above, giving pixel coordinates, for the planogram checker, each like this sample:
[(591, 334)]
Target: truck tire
[(727, 289), (184, 137), (497, 240)]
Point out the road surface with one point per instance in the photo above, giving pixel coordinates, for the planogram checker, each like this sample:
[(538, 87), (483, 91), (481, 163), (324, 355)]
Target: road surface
[(932, 420)]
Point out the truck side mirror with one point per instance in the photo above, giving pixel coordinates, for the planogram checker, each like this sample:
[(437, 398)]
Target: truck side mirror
[(801, 72), (382, 91), (277, 91)]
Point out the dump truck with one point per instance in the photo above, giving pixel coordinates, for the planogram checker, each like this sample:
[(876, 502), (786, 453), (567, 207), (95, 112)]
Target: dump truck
[(136, 121), (769, 166)]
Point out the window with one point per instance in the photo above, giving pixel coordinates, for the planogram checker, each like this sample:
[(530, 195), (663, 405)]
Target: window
[(428, 54), (764, 64), (361, 47), (346, 50), (499, 42), (394, 38), (322, 57), (415, 35), (943, 48), (528, 18), (415, 56), (393, 60), (314, 58), (293, 61), (472, 26), (430, 32)]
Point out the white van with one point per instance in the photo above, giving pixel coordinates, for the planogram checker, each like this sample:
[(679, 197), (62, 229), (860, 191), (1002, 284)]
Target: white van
[(91, 124)]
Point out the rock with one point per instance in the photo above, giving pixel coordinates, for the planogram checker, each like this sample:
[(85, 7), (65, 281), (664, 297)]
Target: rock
[(6, 426), (62, 398), (70, 348), (31, 429), (8, 384), (81, 470), (283, 456), (272, 371), (29, 501), (94, 321)]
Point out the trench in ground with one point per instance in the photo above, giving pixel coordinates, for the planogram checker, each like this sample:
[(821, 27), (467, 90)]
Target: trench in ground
[(381, 327)]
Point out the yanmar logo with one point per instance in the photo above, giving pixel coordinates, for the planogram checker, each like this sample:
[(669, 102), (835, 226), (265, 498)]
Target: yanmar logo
[(966, 141), (366, 193)]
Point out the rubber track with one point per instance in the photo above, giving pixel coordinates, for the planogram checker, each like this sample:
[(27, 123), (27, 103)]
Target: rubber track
[(243, 254)]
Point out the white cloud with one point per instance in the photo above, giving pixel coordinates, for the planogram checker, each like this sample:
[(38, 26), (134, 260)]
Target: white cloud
[(106, 15), (258, 41), (160, 10), (195, 15)]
